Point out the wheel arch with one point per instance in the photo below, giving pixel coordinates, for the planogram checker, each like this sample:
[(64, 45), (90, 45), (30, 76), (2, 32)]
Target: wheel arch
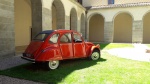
[(94, 48)]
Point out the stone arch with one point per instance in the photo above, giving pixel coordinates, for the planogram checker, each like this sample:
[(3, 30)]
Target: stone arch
[(58, 15), (123, 27), (146, 27), (82, 26), (127, 12), (23, 24), (73, 19), (96, 28)]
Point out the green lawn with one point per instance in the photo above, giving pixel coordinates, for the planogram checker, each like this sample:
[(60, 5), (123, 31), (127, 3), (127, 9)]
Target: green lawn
[(148, 45), (108, 70), (115, 45)]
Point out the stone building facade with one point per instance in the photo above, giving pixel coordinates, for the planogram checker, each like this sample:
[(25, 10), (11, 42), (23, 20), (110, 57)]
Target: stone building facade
[(21, 20), (7, 34), (98, 20), (124, 21)]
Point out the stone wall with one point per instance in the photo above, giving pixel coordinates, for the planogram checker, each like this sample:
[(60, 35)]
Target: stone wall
[(108, 32), (7, 36), (36, 17), (137, 32)]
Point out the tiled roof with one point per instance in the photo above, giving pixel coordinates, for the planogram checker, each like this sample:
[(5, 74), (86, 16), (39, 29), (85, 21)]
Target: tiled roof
[(120, 5)]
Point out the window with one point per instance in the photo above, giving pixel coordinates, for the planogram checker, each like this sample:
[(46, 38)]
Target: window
[(54, 38), (66, 38), (110, 1), (77, 37), (80, 1), (41, 37)]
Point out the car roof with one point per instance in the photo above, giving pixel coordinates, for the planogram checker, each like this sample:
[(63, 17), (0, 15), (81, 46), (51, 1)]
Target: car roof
[(63, 30), (59, 30), (47, 32)]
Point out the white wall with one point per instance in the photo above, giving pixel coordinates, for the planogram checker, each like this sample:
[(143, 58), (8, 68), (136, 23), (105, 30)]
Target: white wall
[(137, 13), (87, 3), (129, 1)]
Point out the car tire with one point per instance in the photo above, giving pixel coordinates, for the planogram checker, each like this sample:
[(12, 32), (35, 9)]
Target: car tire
[(53, 64), (95, 55)]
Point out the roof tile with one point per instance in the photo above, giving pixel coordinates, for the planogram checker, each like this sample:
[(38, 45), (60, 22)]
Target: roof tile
[(120, 5)]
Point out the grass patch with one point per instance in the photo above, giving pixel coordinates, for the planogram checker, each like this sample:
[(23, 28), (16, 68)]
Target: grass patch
[(108, 70), (148, 45), (116, 45)]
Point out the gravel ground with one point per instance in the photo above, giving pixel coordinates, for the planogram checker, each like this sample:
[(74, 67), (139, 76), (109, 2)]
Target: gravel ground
[(136, 53), (10, 80), (9, 63)]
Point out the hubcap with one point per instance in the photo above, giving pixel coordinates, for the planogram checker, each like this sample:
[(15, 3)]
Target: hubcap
[(53, 64), (95, 55)]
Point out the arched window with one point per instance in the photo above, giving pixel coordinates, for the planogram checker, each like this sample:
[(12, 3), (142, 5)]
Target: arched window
[(80, 1)]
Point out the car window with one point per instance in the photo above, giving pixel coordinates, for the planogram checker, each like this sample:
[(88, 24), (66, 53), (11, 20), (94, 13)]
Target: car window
[(41, 37), (66, 38), (54, 38), (76, 37)]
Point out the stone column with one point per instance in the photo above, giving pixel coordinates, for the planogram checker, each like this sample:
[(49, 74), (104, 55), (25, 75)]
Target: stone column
[(78, 29), (137, 32), (7, 32), (36, 17), (67, 22), (46, 19), (82, 28), (87, 30), (108, 32)]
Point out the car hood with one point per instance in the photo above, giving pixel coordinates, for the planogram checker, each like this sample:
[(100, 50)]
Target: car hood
[(33, 47)]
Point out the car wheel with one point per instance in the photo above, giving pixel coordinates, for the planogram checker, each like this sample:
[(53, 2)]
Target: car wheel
[(95, 55), (53, 64)]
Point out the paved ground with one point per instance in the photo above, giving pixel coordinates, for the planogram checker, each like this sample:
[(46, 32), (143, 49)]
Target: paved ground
[(10, 80), (9, 63), (136, 53)]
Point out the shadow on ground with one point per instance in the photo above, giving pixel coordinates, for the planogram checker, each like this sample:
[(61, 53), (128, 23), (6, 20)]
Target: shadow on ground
[(102, 45), (40, 74)]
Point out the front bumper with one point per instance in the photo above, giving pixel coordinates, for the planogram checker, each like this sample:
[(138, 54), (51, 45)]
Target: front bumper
[(27, 58)]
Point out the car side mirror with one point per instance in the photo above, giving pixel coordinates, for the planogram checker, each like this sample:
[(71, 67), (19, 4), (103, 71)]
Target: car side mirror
[(78, 40)]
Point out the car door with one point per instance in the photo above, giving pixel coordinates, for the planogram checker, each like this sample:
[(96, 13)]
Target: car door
[(66, 46), (78, 46)]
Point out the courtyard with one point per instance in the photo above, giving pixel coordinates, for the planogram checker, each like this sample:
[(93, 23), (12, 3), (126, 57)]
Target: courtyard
[(110, 69)]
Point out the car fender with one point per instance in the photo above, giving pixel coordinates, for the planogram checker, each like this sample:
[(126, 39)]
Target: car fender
[(49, 53), (97, 47)]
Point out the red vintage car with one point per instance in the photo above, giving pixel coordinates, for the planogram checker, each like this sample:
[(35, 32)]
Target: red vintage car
[(51, 46)]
